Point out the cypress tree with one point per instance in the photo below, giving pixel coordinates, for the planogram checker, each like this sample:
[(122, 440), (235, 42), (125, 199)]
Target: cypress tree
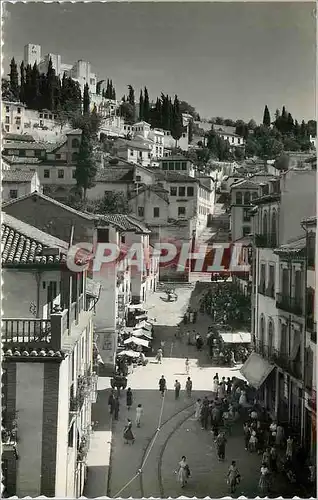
[(177, 124), (141, 106), (266, 117), (86, 99), (14, 79), (50, 84), (86, 166), (22, 82), (35, 88), (131, 95), (28, 85), (113, 94), (290, 124), (107, 89), (146, 105)]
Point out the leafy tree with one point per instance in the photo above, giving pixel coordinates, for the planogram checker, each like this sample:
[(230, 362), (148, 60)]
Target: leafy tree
[(190, 131), (312, 127), (251, 147), (241, 129), (86, 165), (270, 148), (6, 91), (282, 162), (252, 124), (229, 123), (185, 107), (141, 106), (89, 122), (239, 154), (290, 144), (14, 79), (86, 99), (127, 111), (146, 105), (218, 120), (111, 203), (266, 117)]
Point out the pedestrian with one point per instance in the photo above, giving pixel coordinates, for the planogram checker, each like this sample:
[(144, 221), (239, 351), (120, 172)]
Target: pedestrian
[(162, 385), (242, 399), (139, 412), (111, 401), (195, 315), (289, 448), (159, 356), (183, 472), (221, 391), (177, 387), (233, 477), (228, 386), (252, 442), (128, 435), (220, 445), (116, 408), (266, 457), (205, 414), (187, 367), (129, 398), (198, 406), (264, 480), (280, 434), (188, 337), (189, 387), (215, 385), (273, 459), (247, 435)]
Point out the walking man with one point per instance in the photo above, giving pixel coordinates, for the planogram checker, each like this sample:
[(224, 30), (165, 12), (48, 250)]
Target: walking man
[(162, 385), (189, 387), (116, 408), (177, 387)]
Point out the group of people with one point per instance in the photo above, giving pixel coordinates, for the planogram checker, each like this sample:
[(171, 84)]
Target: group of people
[(226, 304), (114, 406)]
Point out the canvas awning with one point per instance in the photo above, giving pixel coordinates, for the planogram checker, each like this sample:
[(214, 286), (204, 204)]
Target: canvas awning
[(296, 345), (144, 324), (136, 306), (236, 338), (256, 370), (137, 341), (129, 354), (142, 333)]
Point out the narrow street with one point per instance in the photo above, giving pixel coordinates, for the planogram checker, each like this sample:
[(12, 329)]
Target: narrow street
[(157, 453)]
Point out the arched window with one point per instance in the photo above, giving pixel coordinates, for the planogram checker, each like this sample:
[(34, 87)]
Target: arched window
[(74, 156), (261, 332), (270, 333), (75, 143), (239, 198), (265, 224), (274, 228), (247, 198)]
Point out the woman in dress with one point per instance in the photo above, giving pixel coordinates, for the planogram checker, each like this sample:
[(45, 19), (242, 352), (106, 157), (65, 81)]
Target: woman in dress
[(264, 480), (252, 442), (128, 435), (233, 477), (183, 472), (220, 445), (129, 398), (215, 385), (198, 406)]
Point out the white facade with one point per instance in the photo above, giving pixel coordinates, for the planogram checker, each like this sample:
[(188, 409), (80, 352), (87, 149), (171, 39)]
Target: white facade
[(32, 54), (13, 117)]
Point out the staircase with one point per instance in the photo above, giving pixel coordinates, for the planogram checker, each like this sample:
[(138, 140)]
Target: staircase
[(219, 225)]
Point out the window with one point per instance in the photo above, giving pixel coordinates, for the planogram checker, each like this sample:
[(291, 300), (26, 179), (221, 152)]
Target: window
[(18, 120), (103, 235), (7, 128), (57, 156), (232, 140), (177, 165), (265, 225), (247, 198), (270, 333), (75, 143), (123, 238), (7, 119), (171, 165), (45, 116), (50, 117), (262, 278), (261, 330), (184, 165), (271, 281), (74, 174), (246, 230), (274, 228), (156, 211), (46, 174), (74, 156), (21, 152), (141, 211), (285, 282), (13, 193), (7, 109), (181, 211), (149, 155), (283, 339), (246, 215), (238, 198), (173, 191), (92, 81), (164, 165), (190, 191), (298, 286), (140, 154), (239, 141), (254, 195), (182, 191), (60, 173), (41, 115), (138, 178)]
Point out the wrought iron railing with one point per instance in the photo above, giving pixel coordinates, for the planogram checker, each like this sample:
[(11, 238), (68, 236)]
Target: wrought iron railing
[(85, 388), (25, 330), (9, 432), (261, 288), (270, 291), (268, 240), (279, 357), (293, 305)]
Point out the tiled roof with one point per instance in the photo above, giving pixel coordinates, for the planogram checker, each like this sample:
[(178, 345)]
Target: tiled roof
[(158, 190), (310, 221), (29, 352), (171, 176), (134, 144), (36, 194), (24, 145), (17, 176), (293, 247), (92, 288), (244, 183), (123, 222), (18, 137), (17, 160), (76, 131), (173, 158), (50, 148), (115, 174), (24, 244)]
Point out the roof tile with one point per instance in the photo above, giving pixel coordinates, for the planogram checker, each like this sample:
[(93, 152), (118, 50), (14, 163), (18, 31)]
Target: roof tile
[(17, 176)]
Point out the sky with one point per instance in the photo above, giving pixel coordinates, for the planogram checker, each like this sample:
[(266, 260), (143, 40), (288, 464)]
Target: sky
[(225, 59)]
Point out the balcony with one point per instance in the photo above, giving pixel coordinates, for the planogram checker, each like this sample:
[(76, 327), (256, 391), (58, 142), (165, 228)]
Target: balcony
[(270, 291), (9, 435), (266, 240), (292, 305), (261, 288), (85, 388), (279, 358)]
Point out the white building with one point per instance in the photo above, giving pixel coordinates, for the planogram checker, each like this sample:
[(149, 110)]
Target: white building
[(13, 117), (16, 183)]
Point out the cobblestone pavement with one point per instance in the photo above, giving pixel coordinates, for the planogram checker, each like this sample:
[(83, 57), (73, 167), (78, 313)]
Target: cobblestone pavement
[(179, 433)]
